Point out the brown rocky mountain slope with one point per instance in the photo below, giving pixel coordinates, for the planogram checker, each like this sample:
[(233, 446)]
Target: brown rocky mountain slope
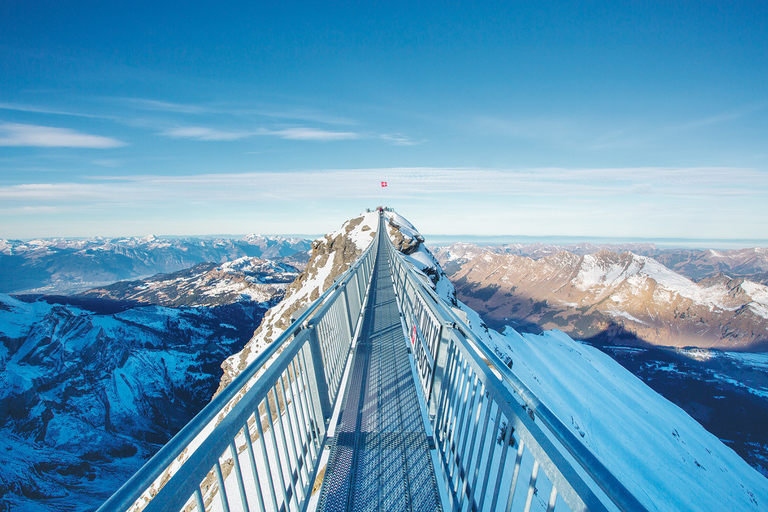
[(615, 298)]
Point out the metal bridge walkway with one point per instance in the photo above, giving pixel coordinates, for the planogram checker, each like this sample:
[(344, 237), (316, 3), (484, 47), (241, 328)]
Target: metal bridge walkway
[(380, 457)]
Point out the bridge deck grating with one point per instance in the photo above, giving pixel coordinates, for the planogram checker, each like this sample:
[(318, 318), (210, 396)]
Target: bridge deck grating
[(380, 457)]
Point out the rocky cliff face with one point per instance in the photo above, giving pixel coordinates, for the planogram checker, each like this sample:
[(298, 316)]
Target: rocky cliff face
[(86, 397), (615, 297), (331, 256)]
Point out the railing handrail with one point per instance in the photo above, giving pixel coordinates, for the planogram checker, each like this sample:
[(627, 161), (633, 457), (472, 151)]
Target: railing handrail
[(587, 461), (148, 474)]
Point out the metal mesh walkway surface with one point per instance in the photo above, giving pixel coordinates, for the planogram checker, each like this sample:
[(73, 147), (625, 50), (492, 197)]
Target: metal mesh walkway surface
[(380, 457)]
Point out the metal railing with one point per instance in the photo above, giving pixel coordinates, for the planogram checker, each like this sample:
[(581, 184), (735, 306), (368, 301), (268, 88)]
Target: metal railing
[(257, 445), (500, 448)]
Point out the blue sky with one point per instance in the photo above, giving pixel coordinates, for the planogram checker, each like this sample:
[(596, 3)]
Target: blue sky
[(620, 119)]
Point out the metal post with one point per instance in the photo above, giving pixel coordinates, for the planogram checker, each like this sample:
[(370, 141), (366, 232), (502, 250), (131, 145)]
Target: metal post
[(317, 377)]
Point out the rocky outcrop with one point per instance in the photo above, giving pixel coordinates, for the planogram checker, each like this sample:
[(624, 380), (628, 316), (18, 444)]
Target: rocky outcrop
[(331, 256)]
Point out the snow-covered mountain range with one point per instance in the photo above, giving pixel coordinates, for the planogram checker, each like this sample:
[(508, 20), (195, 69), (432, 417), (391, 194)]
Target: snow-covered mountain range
[(612, 297), (207, 284), (667, 459), (696, 264), (66, 266), (87, 394)]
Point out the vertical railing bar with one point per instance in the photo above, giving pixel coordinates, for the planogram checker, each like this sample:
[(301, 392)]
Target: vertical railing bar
[(531, 487), (451, 425), (199, 500), (515, 475), (461, 409), (337, 340), (222, 490), (454, 397), (300, 396), (238, 472), (450, 394), (277, 454), (552, 499), (470, 413), (445, 390), (252, 460), (309, 400), (460, 454), (502, 463), (470, 465), (490, 460), (285, 447), (334, 339), (484, 434), (300, 462), (315, 415)]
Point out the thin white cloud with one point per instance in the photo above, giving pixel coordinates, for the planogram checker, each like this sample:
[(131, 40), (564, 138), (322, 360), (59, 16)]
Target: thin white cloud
[(15, 134), (275, 111), (46, 110), (302, 133), (398, 139), (166, 106), (204, 133), (295, 133), (650, 202)]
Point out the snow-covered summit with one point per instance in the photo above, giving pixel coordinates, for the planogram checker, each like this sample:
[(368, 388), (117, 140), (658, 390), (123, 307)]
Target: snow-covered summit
[(331, 256)]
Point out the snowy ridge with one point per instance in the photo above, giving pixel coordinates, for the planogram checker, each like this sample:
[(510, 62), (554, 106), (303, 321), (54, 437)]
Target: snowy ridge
[(659, 452), (331, 256), (244, 279)]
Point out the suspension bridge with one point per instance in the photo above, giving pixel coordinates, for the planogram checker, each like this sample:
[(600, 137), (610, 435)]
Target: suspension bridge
[(378, 397)]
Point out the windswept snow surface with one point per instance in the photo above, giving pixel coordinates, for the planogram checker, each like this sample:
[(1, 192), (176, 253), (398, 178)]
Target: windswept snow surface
[(662, 455)]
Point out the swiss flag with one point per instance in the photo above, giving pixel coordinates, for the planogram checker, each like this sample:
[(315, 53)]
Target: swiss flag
[(383, 183)]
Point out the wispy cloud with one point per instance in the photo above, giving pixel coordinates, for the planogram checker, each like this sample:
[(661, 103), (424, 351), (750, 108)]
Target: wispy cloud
[(653, 202), (15, 134), (167, 106), (274, 112), (722, 117), (300, 133), (204, 133), (315, 134), (398, 139), (19, 107)]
